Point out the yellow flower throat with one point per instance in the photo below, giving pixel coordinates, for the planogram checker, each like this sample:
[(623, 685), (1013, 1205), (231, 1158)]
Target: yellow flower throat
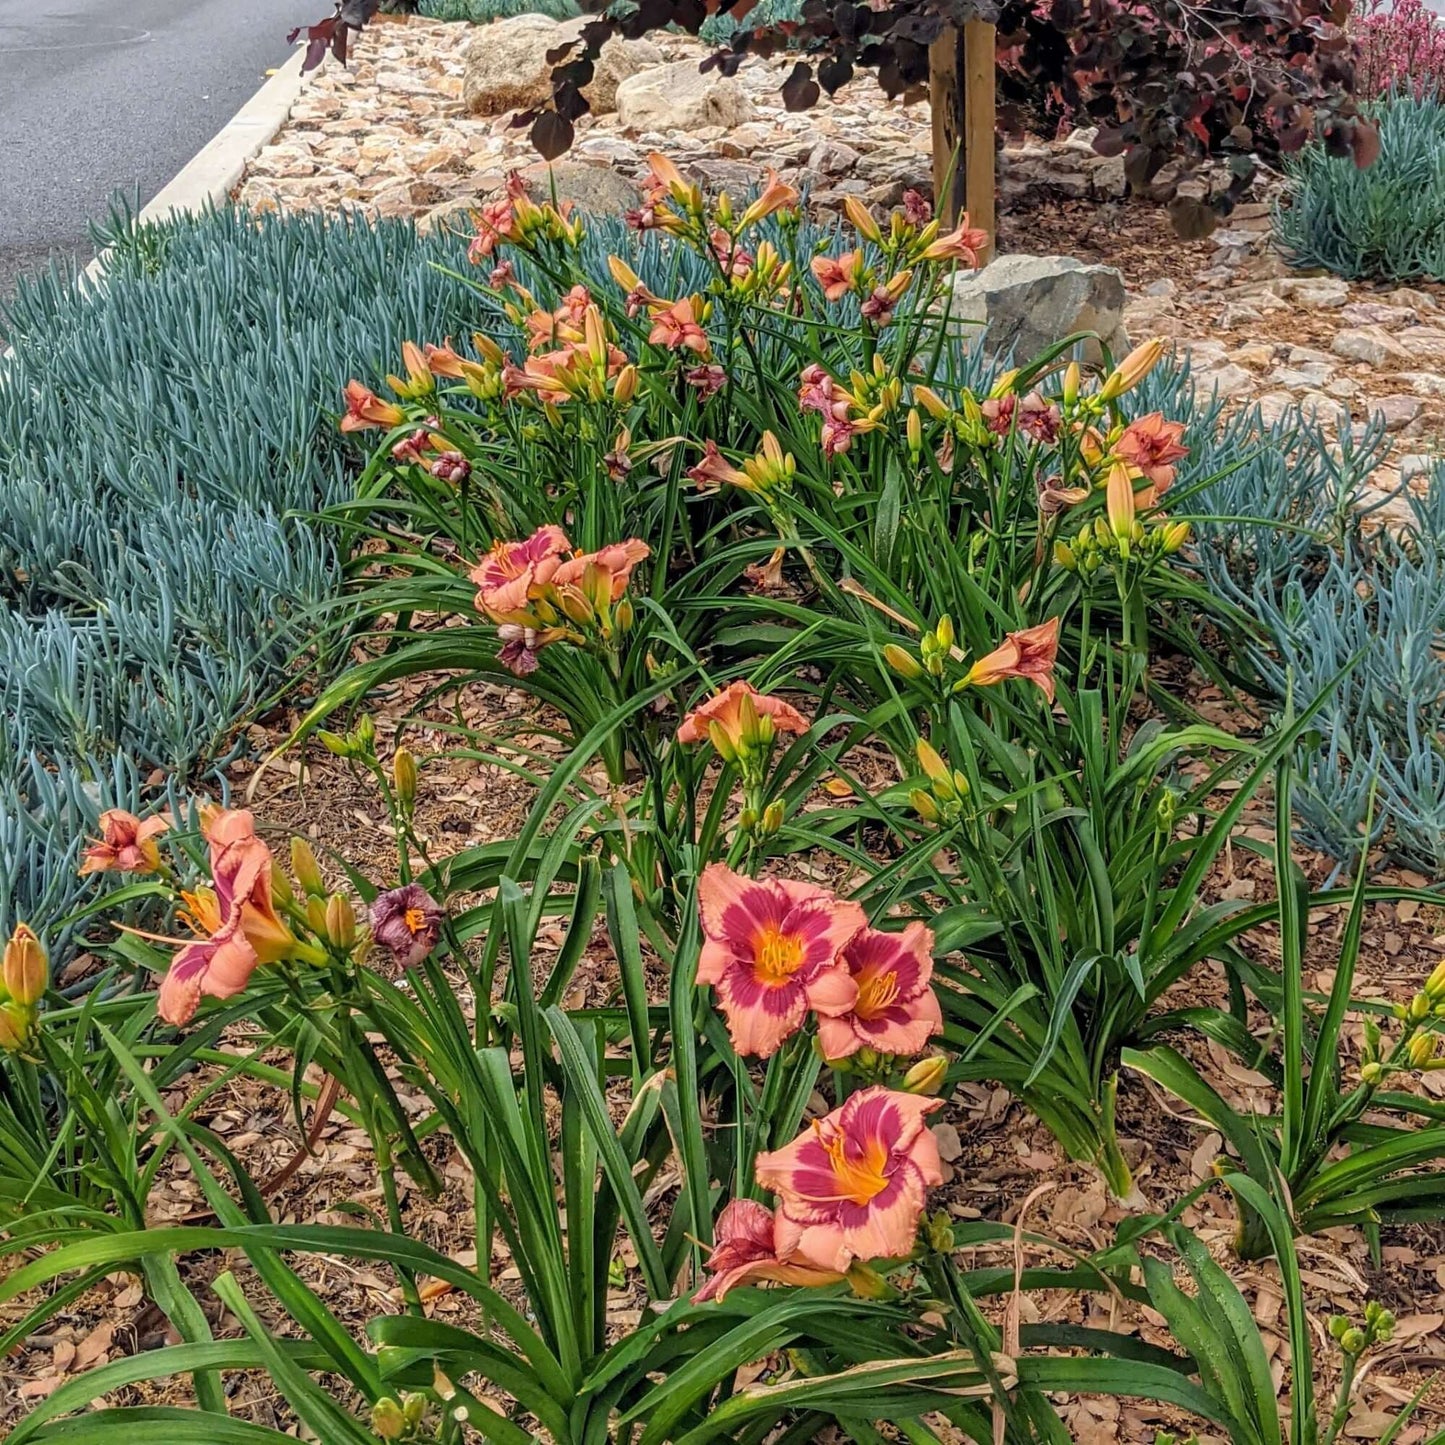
[(777, 956)]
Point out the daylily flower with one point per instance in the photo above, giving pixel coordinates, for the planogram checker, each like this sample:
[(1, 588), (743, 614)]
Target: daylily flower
[(365, 409), (1039, 419), (127, 844), (614, 563), (736, 714), (838, 433), (734, 259), (775, 196), (745, 1251), (963, 243), (1119, 502), (862, 219), (837, 275), (714, 469), (897, 1011), (419, 379), (917, 208), (676, 328), (451, 467), (706, 379), (771, 952), (666, 181), (520, 646), (883, 299), (816, 390), (407, 922), (497, 221), (1152, 445), (1029, 653), (853, 1186), (236, 921), (506, 576)]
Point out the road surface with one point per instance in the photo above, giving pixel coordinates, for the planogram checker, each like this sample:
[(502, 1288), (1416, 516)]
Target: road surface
[(104, 95)]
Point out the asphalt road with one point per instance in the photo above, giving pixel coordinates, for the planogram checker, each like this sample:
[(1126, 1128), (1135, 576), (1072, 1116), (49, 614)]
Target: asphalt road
[(98, 96)]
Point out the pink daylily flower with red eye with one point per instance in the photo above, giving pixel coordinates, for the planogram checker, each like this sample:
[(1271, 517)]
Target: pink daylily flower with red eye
[(1152, 445), (1030, 653), (219, 964), (506, 576), (854, 1185), (127, 844), (837, 275), (896, 1011), (497, 221), (745, 1251), (770, 951), (676, 328)]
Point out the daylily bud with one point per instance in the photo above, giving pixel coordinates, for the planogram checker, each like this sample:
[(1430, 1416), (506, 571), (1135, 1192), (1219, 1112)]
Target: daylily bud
[(926, 1076), (1176, 534), (1421, 1050), (26, 968), (940, 1232), (1372, 1073), (1072, 377), (914, 431), (1064, 556), (748, 820), (281, 884), (907, 666), (923, 804), (414, 1409), (340, 921), (1337, 1327), (365, 733), (1353, 1340), (931, 402), (772, 818), (623, 614), (1418, 1010), (306, 868), (1119, 500), (935, 769), (1132, 370), (867, 1283), (388, 1420), (944, 632), (335, 744), (722, 742), (17, 1023), (403, 777), (861, 219), (1435, 984), (316, 914), (625, 387)]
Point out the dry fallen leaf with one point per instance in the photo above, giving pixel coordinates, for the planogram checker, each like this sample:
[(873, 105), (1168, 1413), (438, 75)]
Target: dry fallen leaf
[(95, 1346)]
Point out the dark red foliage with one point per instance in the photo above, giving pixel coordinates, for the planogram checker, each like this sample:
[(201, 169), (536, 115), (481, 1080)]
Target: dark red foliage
[(1163, 80)]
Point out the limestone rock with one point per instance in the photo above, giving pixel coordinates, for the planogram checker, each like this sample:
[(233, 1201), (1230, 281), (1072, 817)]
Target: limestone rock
[(506, 64), (1225, 381), (680, 97), (598, 190), (1398, 411), (1371, 344), (1029, 303)]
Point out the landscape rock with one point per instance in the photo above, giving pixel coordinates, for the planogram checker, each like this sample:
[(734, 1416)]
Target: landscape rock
[(1029, 303), (1371, 344), (506, 64), (1225, 381), (680, 97), (1398, 411), (598, 190)]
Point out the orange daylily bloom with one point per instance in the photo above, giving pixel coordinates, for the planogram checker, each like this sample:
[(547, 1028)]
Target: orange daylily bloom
[(837, 275), (775, 196), (365, 409), (737, 713)]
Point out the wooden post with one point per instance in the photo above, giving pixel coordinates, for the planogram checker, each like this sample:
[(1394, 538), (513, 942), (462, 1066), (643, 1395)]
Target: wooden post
[(961, 92)]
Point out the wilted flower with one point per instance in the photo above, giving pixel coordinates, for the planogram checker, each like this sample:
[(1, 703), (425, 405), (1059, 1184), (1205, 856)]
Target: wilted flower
[(732, 257), (896, 1011), (127, 844), (407, 922), (853, 1186), (917, 208), (520, 646), (771, 952), (882, 300), (707, 379), (1029, 653), (745, 1251), (816, 390), (451, 467), (365, 409)]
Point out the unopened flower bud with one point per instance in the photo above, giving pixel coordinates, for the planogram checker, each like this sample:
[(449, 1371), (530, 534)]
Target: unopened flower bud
[(281, 884), (935, 770), (915, 431), (1064, 556), (1419, 1009), (306, 868), (924, 805), (1372, 1073), (340, 921), (366, 734), (1421, 1050), (867, 1283), (1072, 377), (772, 818), (403, 777), (316, 914), (625, 387), (335, 744), (17, 1023), (926, 1076), (624, 614), (1337, 1326), (902, 661), (1175, 535), (940, 1232), (944, 632), (1352, 1342), (26, 969), (388, 1420), (1435, 984)]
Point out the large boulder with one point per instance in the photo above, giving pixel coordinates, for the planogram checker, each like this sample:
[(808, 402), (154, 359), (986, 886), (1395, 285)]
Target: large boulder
[(598, 190), (1028, 303), (680, 97), (507, 69)]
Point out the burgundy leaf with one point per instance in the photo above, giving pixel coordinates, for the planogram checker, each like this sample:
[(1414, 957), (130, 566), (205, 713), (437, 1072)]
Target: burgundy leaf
[(551, 135)]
